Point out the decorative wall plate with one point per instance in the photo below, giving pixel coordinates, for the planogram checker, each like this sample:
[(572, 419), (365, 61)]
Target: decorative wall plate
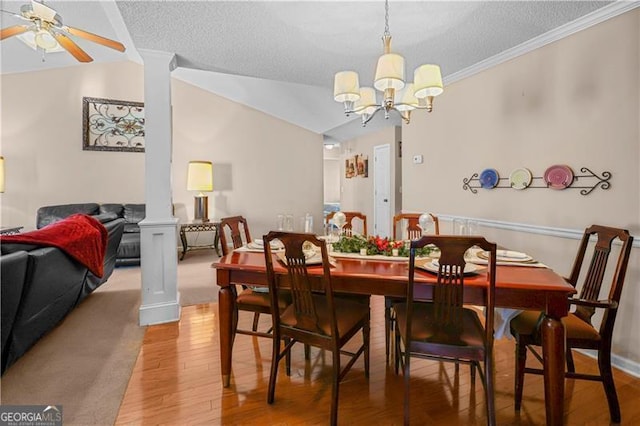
[(520, 178), (489, 178), (558, 176)]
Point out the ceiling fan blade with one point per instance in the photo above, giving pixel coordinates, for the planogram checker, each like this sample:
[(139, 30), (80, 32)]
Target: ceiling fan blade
[(72, 48), (95, 38), (14, 30)]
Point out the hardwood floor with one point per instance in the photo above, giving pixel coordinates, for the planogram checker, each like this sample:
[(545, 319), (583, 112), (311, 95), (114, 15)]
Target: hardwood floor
[(177, 380)]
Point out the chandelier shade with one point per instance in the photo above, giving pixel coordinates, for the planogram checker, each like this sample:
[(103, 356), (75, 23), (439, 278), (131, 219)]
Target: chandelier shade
[(389, 72), (346, 86), (427, 81), (398, 95), (367, 102), (406, 100)]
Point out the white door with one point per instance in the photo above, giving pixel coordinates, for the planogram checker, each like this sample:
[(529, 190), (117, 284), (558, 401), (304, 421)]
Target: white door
[(382, 190)]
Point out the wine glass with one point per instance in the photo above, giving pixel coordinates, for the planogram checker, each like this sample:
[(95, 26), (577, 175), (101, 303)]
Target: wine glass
[(339, 219), (426, 223)]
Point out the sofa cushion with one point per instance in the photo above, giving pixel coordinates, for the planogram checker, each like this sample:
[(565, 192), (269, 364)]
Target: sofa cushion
[(112, 208), (129, 246), (106, 217), (50, 214), (133, 213)]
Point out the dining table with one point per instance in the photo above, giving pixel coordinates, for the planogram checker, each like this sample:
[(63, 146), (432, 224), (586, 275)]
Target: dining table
[(517, 287)]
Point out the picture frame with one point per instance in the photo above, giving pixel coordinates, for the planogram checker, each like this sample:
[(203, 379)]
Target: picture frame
[(350, 167), (112, 125), (362, 165)]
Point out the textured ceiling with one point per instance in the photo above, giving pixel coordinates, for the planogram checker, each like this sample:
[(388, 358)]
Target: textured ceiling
[(280, 57)]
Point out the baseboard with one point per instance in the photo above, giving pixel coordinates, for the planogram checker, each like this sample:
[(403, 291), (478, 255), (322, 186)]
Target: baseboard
[(623, 364), (160, 313)]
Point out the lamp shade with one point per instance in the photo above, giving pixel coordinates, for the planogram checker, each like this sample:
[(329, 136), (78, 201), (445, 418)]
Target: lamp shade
[(367, 102), (427, 81), (389, 72), (200, 176), (1, 174), (346, 86), (405, 100)]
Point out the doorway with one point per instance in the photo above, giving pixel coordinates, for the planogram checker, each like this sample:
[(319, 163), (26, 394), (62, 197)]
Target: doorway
[(382, 190)]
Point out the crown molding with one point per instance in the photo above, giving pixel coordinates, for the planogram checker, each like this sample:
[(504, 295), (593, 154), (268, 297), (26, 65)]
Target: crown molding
[(587, 21)]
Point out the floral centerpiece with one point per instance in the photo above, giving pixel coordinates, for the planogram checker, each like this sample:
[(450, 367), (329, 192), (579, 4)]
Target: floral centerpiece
[(376, 245)]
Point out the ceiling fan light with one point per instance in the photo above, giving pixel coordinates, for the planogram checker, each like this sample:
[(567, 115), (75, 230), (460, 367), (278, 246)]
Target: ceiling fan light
[(45, 40), (367, 103), (427, 81), (346, 87), (29, 38), (389, 72), (405, 100)]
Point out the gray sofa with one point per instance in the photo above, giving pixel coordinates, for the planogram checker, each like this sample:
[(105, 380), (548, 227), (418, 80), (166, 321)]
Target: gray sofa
[(128, 252), (41, 285)]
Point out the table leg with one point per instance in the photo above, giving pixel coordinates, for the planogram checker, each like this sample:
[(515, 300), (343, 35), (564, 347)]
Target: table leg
[(225, 317), (183, 238), (553, 351)]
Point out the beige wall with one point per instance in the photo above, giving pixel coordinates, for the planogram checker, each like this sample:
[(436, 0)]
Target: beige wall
[(262, 165), (573, 102)]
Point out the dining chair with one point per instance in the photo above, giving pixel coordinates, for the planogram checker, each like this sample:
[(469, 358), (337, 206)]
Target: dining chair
[(412, 231), (316, 316), (348, 228), (580, 331), (442, 327), (236, 230)]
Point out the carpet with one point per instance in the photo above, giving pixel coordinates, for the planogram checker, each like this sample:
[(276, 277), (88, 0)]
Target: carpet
[(85, 362)]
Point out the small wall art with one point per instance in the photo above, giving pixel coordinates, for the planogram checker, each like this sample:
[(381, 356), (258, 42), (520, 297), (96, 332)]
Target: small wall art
[(112, 125), (358, 165), (362, 165)]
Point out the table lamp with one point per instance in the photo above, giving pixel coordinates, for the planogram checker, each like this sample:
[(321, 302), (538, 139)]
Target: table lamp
[(200, 178)]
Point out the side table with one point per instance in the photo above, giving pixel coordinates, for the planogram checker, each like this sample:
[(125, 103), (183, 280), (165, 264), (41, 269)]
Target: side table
[(10, 230), (199, 227)]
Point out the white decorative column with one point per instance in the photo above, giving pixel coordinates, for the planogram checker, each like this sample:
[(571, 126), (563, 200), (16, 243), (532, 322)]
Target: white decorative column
[(159, 258)]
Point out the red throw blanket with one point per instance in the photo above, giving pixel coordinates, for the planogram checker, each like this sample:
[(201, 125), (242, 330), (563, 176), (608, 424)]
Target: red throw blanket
[(80, 236)]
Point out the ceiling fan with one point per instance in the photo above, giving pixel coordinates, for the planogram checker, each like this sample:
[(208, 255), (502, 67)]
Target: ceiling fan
[(45, 30)]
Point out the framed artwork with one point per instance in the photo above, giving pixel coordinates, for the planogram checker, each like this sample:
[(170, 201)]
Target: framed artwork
[(112, 125), (350, 167), (362, 165)]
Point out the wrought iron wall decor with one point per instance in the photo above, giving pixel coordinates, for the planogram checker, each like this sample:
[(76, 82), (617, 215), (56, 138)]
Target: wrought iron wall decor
[(586, 182), (112, 125)]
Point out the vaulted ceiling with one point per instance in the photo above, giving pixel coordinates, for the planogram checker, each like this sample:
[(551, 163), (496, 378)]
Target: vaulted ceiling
[(280, 56)]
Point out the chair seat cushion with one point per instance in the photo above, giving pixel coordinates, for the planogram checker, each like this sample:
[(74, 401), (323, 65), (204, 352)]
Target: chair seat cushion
[(576, 329), (254, 298), (348, 314), (424, 330)]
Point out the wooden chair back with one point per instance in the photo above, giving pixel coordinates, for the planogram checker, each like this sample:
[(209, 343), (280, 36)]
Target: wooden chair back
[(348, 228), (412, 230), (448, 294), (236, 227), (590, 291), (303, 290)]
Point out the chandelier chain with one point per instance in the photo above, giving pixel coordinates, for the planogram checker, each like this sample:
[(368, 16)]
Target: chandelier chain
[(386, 18)]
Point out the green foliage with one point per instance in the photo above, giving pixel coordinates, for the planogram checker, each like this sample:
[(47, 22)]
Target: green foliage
[(377, 246)]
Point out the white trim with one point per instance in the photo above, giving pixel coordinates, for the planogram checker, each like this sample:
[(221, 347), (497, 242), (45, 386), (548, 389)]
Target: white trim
[(160, 313), (573, 234), (610, 11), (623, 364)]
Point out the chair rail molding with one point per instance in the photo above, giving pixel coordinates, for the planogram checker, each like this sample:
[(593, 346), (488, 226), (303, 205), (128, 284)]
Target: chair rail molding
[(573, 234)]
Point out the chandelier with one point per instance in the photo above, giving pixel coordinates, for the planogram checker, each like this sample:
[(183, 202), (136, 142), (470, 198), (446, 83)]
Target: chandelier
[(389, 79)]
